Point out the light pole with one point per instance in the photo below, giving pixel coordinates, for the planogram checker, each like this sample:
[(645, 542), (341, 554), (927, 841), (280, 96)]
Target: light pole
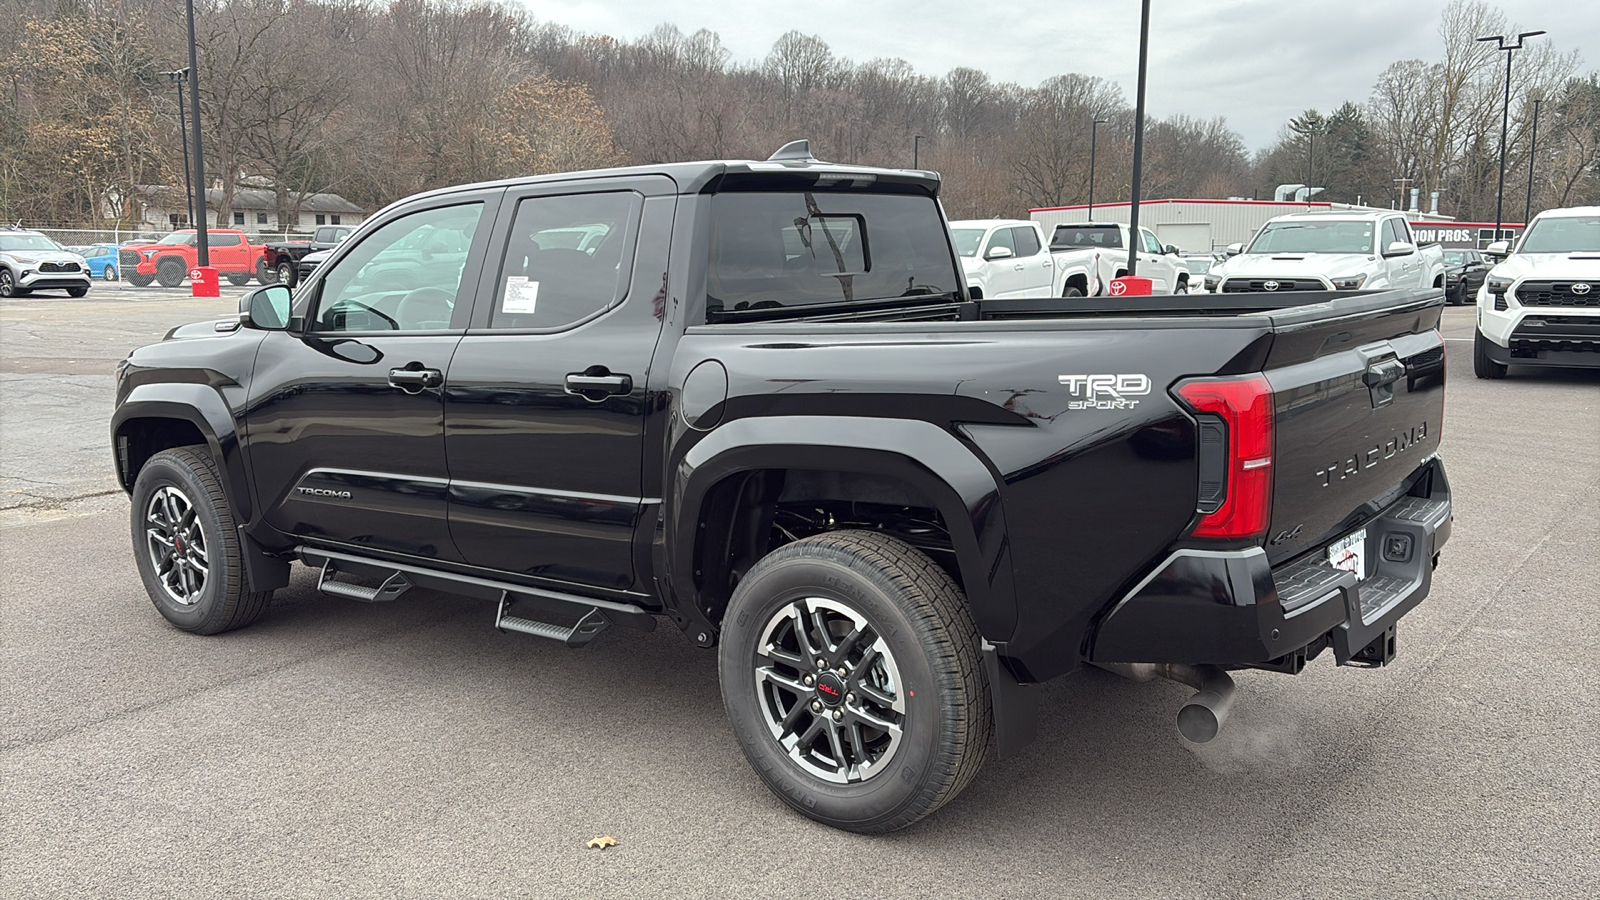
[(916, 151), (178, 77), (201, 213), (1310, 132), (1138, 139), (1533, 144), (1094, 133), (1509, 48), (1402, 182)]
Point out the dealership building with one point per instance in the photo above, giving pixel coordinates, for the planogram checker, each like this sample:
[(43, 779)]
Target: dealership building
[(1207, 226)]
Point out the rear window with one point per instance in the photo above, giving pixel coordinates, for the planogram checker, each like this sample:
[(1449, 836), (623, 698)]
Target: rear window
[(787, 249), (1099, 237)]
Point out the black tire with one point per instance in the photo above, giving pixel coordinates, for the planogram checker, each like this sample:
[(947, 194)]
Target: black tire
[(1072, 290), (239, 280), (265, 274), (1482, 365), (78, 291), (287, 274), (177, 495), (925, 645), (109, 273), (171, 272), (1183, 286), (8, 284), (138, 280)]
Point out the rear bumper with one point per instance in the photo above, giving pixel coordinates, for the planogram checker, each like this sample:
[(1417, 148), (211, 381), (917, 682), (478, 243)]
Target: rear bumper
[(1231, 608)]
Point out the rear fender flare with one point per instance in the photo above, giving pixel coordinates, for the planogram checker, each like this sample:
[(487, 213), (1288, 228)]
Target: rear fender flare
[(923, 455)]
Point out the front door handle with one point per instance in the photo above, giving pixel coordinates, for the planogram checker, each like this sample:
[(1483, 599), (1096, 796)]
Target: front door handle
[(415, 381), (597, 383)]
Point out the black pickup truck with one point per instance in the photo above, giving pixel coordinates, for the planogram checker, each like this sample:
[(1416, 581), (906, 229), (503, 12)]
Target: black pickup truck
[(755, 400), (281, 261)]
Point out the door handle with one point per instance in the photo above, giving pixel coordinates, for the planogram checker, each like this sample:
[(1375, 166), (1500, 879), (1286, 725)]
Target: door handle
[(1018, 267), (597, 383), (415, 381)]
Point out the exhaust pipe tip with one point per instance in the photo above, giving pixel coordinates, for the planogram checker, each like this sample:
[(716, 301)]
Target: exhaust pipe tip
[(1202, 718)]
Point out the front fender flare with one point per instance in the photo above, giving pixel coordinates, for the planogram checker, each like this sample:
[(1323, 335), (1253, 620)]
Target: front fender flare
[(202, 406), (923, 455)]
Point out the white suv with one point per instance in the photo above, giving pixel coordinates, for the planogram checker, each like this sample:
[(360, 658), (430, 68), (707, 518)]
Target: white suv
[(30, 261), (1540, 306)]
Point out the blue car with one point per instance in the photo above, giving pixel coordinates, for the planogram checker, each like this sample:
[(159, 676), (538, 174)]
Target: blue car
[(101, 259)]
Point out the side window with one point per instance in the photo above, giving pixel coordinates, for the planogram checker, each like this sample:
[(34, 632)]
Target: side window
[(223, 239), (568, 258), (1403, 228), (402, 277), (1002, 238), (1391, 233), (1027, 241), (1151, 245)]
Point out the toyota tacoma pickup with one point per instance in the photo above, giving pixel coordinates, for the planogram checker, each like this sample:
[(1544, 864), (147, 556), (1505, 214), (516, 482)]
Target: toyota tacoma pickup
[(1089, 254), (1540, 306), (169, 260), (759, 404), (1322, 251)]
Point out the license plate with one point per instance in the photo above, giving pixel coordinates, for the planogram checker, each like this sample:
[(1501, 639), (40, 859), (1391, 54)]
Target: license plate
[(1350, 554)]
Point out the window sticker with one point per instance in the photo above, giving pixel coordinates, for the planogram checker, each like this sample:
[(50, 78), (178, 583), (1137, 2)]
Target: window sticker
[(521, 297)]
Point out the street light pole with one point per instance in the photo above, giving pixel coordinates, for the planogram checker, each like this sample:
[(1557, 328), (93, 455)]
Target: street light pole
[(1310, 132), (178, 77), (1505, 118), (1094, 133), (201, 212), (916, 151), (1533, 144), (1138, 139)]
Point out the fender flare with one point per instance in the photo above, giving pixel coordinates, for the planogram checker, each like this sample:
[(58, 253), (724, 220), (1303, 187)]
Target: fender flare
[(925, 456), (202, 406)]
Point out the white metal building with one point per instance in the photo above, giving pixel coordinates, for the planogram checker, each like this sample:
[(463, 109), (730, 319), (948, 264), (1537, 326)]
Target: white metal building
[(1206, 226)]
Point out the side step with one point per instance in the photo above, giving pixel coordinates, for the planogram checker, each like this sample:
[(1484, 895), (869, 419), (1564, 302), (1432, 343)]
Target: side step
[(588, 628), (392, 587)]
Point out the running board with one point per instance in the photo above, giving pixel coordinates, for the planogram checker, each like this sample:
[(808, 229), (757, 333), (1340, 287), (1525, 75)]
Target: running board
[(588, 628), (538, 605), (392, 587)]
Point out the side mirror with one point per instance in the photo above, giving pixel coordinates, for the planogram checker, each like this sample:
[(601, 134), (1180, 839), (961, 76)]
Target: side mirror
[(266, 308), (1498, 250), (1234, 249), (999, 253), (1170, 250), (1399, 248)]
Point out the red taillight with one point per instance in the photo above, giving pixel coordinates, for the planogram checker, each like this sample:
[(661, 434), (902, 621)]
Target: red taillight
[(1245, 407)]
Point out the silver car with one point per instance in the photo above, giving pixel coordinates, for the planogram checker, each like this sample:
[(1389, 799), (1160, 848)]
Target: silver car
[(30, 261)]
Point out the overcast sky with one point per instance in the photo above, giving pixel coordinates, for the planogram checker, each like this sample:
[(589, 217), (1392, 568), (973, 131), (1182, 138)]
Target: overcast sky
[(1256, 62)]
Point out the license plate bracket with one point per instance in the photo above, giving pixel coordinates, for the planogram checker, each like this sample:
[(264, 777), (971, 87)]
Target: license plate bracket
[(1349, 554)]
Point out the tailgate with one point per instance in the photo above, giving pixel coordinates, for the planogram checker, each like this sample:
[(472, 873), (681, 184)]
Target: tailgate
[(1358, 399)]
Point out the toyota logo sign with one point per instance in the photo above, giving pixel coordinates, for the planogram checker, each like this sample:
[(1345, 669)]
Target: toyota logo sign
[(1270, 285), (1581, 288)]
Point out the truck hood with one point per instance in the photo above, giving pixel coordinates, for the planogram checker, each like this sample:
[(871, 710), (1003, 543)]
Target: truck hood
[(1582, 266), (1329, 265)]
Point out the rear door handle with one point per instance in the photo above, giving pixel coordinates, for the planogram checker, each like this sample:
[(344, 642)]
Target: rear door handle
[(415, 381)]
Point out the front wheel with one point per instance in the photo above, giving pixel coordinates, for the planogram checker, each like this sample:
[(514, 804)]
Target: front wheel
[(1482, 365), (238, 280), (8, 284), (138, 280), (852, 678), (1072, 291), (1183, 286), (78, 291), (286, 272), (170, 272), (186, 546)]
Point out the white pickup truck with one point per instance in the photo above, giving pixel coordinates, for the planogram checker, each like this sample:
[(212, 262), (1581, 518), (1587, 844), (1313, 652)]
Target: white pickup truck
[(1330, 251), (1540, 306), (1004, 258), (1089, 254)]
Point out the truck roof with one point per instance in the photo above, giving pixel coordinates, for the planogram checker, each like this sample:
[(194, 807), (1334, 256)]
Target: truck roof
[(1569, 212)]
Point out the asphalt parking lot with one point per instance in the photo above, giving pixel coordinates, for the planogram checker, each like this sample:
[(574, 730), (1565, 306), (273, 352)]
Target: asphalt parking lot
[(406, 749)]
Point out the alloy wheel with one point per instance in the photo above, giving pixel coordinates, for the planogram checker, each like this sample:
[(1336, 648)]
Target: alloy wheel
[(177, 545), (830, 690)]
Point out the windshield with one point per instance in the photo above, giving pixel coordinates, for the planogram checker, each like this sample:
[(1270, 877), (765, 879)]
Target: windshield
[(1314, 237), (1197, 265), (1100, 237), (1563, 234), (802, 248), (20, 242), (967, 240), (178, 237)]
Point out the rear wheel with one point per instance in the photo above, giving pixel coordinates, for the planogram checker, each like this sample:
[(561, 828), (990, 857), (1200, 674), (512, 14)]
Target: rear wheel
[(265, 273), (851, 674), (109, 273), (170, 272), (1482, 365), (77, 291), (186, 546), (138, 280)]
